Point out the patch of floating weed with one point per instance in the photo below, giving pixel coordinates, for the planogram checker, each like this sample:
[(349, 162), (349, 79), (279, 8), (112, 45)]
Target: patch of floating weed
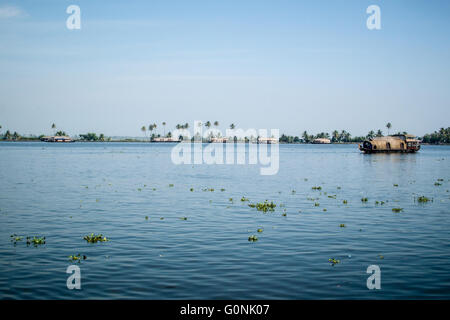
[(293, 192), (170, 185), (222, 189), (77, 258), (324, 210), (183, 218), (317, 188), (209, 189), (252, 205), (146, 217), (253, 238), (191, 189), (36, 241), (93, 238), (342, 225), (243, 199), (260, 230), (15, 238), (397, 209), (395, 185), (316, 204), (344, 201), (333, 261), (332, 196), (423, 199), (380, 256), (437, 184), (139, 189), (266, 206), (364, 199)]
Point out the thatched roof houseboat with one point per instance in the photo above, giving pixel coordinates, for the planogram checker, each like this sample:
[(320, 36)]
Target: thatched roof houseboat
[(395, 143)]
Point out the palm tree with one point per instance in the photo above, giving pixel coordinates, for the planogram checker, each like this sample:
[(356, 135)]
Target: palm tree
[(186, 126), (305, 136), (370, 135), (54, 127), (232, 126), (335, 136), (144, 130), (388, 126), (379, 133), (208, 124), (164, 125)]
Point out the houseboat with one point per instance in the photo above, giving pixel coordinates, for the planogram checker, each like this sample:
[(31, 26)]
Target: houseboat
[(57, 139), (406, 143), (321, 141)]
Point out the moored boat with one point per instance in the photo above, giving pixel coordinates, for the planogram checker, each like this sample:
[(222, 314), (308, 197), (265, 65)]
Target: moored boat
[(406, 143)]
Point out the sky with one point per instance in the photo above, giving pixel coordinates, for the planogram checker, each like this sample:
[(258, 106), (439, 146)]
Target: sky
[(291, 65)]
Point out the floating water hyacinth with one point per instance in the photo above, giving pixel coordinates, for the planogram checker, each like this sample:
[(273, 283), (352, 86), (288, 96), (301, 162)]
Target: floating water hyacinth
[(266, 206), (437, 184), (395, 185), (332, 196), (364, 199), (423, 199), (191, 189), (92, 238), (170, 185), (397, 209), (183, 218), (146, 217), (253, 238), (316, 204), (260, 230), (209, 189), (15, 238), (317, 188), (344, 201), (342, 225), (333, 261), (35, 241), (244, 199), (77, 258), (222, 189)]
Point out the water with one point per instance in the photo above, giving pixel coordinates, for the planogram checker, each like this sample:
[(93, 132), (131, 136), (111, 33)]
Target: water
[(66, 191)]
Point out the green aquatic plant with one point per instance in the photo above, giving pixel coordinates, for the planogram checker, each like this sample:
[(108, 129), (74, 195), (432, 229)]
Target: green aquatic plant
[(293, 192), (92, 238), (364, 199), (222, 189), (146, 217), (317, 188), (395, 185), (183, 218), (260, 230), (266, 206), (230, 199), (243, 199), (139, 189), (344, 201), (252, 205), (77, 258), (423, 199), (342, 225), (35, 241), (332, 196), (397, 209), (284, 214), (324, 210), (316, 204), (191, 189), (170, 185), (333, 261), (15, 238), (437, 184), (253, 238)]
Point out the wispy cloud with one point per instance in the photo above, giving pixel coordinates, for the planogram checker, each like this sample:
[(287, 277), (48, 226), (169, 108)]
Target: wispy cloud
[(8, 11)]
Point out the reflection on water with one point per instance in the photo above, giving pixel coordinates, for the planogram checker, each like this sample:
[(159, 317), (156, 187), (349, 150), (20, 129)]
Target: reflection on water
[(170, 242)]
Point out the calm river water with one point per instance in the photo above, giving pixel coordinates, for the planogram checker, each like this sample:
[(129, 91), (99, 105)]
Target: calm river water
[(67, 191)]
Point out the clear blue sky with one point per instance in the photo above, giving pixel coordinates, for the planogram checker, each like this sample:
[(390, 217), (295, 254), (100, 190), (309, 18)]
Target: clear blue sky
[(292, 65)]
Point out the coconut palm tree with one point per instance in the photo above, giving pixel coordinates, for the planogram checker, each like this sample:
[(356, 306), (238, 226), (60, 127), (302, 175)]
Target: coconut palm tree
[(371, 134), (208, 124), (232, 126), (144, 130), (388, 126), (379, 133), (335, 136), (54, 128), (164, 126)]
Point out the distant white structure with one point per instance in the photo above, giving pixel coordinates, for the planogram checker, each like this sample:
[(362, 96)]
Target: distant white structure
[(161, 139), (267, 140), (321, 141)]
